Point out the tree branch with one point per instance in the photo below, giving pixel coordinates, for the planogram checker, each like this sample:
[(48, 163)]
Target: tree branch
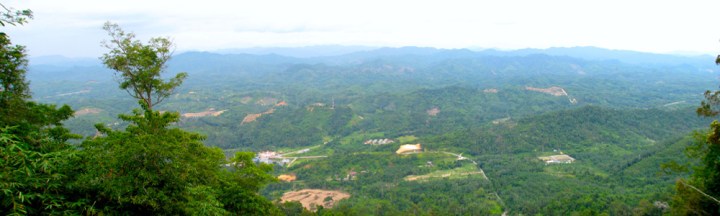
[(699, 191)]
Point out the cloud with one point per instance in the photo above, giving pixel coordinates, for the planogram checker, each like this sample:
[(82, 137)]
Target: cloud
[(73, 27)]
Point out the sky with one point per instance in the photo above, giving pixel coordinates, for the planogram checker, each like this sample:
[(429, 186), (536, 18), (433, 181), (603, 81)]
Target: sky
[(73, 28)]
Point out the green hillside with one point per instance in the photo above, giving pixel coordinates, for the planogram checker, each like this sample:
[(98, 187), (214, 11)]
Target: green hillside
[(483, 122)]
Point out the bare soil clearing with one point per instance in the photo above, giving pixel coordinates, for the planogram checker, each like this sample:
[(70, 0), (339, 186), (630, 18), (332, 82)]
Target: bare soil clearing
[(208, 112), (310, 198), (555, 91), (87, 111), (287, 177), (266, 101), (443, 175), (433, 112), (251, 118), (254, 116)]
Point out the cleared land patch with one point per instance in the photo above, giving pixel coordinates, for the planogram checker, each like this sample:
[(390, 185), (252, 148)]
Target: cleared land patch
[(490, 90), (208, 112), (557, 159), (251, 118), (554, 91), (87, 111), (501, 120), (84, 91), (254, 116), (453, 173), (443, 175), (311, 198), (287, 177), (433, 112), (266, 101)]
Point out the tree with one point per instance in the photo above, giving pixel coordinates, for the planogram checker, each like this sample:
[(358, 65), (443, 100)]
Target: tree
[(708, 107), (699, 194), (25, 116), (139, 65), (36, 181), (240, 185), (35, 159), (151, 168), (14, 17), (14, 89)]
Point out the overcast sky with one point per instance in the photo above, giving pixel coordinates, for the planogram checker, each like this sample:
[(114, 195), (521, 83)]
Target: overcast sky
[(74, 27)]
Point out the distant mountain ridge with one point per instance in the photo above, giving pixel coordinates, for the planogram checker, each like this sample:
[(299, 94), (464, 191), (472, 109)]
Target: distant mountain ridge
[(618, 113), (299, 52), (332, 53), (58, 60), (626, 56)]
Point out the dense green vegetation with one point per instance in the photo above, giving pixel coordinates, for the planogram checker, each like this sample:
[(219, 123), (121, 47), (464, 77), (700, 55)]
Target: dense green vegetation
[(619, 119), (617, 171), (147, 168), (698, 193), (35, 160), (625, 120)]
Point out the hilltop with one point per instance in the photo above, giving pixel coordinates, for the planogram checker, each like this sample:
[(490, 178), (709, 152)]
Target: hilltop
[(484, 119)]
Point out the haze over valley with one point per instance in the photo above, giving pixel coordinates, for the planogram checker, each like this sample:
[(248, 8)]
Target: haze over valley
[(618, 114), (359, 108)]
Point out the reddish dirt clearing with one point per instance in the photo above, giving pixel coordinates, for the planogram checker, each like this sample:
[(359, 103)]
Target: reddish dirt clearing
[(310, 198)]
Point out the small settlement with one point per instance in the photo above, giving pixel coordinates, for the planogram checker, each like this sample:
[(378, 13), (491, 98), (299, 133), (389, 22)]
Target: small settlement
[(378, 141), (557, 159), (270, 157)]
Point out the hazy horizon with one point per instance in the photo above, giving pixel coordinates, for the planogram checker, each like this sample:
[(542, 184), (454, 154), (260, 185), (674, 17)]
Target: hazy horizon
[(74, 28), (313, 51)]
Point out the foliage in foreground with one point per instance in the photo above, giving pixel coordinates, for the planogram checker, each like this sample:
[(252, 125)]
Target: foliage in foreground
[(698, 195), (148, 168)]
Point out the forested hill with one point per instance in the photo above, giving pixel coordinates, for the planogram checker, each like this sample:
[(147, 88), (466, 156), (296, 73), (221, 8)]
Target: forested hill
[(252, 58), (617, 154), (390, 90), (482, 118), (578, 130), (400, 70), (631, 57)]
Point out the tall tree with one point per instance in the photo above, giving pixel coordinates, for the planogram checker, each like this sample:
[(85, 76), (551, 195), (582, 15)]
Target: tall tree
[(13, 86), (699, 195), (14, 89), (140, 65), (151, 168)]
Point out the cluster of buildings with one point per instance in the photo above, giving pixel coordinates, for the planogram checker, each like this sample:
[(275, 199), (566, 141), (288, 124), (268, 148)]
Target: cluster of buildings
[(378, 141), (270, 157)]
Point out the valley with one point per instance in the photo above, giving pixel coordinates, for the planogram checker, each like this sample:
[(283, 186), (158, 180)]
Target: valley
[(514, 133)]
